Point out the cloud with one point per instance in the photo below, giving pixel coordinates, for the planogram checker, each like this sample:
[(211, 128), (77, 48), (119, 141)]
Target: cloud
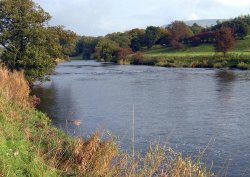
[(99, 17), (234, 3), (193, 16)]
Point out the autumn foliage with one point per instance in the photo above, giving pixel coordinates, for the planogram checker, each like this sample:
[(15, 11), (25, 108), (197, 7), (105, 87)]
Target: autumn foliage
[(123, 53), (224, 40)]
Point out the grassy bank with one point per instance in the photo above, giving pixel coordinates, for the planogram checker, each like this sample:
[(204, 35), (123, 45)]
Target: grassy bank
[(202, 56), (207, 61), (31, 146), (241, 47)]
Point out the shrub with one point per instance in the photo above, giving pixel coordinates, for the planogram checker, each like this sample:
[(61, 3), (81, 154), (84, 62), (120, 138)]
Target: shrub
[(137, 58), (123, 54), (14, 86), (177, 45), (243, 66)]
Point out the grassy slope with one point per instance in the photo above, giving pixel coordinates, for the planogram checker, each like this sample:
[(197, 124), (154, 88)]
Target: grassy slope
[(241, 47), (18, 155)]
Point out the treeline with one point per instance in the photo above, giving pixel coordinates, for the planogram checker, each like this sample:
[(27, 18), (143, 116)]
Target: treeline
[(28, 43), (116, 46)]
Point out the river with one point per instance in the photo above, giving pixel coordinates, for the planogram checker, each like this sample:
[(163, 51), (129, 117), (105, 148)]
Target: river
[(190, 110)]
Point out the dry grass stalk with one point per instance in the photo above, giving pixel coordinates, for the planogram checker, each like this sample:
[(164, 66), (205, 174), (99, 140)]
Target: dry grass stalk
[(14, 86)]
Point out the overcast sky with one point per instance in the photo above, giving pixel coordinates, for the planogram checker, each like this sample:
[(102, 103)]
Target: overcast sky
[(99, 17)]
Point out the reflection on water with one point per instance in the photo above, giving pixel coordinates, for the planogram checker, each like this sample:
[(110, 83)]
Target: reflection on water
[(225, 76), (188, 109), (225, 80)]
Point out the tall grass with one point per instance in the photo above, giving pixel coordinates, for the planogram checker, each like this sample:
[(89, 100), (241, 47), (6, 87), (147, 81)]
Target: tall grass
[(14, 86), (31, 146)]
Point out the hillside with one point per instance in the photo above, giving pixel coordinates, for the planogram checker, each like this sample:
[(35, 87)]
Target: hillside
[(241, 47), (202, 22)]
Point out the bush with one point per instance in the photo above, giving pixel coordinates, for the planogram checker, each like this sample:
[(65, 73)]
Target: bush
[(177, 45), (243, 66), (122, 55), (137, 58)]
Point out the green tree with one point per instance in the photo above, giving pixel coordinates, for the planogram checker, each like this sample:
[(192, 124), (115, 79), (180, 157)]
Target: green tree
[(106, 49), (29, 44), (152, 35), (224, 40), (242, 29), (196, 29), (137, 39), (240, 25), (86, 46), (164, 37), (123, 39), (66, 38)]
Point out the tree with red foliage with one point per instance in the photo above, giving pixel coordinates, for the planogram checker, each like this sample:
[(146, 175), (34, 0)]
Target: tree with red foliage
[(178, 32), (205, 37), (122, 54), (136, 58), (225, 40)]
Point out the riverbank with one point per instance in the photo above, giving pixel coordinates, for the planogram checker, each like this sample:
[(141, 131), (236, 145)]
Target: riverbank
[(202, 56), (31, 146), (234, 60), (231, 61)]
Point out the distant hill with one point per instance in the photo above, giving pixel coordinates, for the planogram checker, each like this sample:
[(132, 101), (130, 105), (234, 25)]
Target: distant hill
[(202, 22)]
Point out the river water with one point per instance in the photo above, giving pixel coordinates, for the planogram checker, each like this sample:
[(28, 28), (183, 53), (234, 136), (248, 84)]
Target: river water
[(190, 110)]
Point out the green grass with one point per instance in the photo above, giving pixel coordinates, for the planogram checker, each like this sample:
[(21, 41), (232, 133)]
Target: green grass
[(233, 60), (18, 155), (241, 47), (79, 57)]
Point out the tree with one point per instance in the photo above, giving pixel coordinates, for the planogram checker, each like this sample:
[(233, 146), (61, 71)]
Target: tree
[(196, 29), (137, 39), (164, 37), (152, 35), (240, 25), (86, 46), (224, 40), (123, 39), (122, 54), (179, 31), (106, 49), (66, 38), (29, 44), (242, 29)]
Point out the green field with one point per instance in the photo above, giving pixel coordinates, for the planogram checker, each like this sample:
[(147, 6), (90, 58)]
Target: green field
[(241, 47)]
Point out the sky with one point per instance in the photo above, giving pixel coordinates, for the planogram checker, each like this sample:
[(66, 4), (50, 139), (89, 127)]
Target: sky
[(100, 17)]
